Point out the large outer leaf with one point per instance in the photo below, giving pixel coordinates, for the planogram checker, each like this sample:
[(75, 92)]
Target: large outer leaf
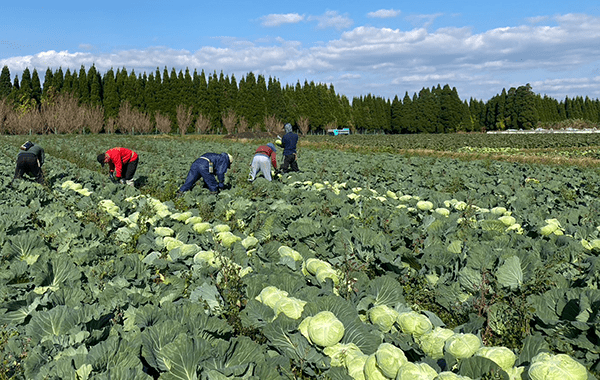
[(154, 338), (477, 366), (51, 323), (510, 274), (183, 356)]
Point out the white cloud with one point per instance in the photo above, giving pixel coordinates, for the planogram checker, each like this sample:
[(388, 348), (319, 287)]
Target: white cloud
[(331, 19), (390, 61), (384, 13), (280, 19)]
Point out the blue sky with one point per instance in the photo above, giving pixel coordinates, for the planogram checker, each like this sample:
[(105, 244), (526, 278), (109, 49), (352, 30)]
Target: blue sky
[(383, 48)]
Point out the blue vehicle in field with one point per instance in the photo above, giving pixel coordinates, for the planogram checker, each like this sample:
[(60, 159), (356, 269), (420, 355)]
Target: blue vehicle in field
[(336, 132)]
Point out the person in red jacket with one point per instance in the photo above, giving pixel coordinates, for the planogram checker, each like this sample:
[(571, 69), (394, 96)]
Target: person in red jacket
[(263, 158), (122, 163)]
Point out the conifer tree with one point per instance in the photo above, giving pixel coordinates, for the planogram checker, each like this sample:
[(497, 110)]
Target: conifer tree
[(5, 84), (95, 86), (111, 96), (83, 89)]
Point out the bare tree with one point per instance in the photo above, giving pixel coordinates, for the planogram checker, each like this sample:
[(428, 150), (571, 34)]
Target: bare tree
[(62, 114), (229, 122), (184, 118), (110, 125), (23, 123), (94, 118), (272, 124), (242, 125), (304, 125), (202, 124), (163, 123), (126, 118), (142, 122)]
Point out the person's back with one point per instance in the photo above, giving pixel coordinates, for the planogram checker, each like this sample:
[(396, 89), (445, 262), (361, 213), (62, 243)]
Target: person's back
[(289, 141)]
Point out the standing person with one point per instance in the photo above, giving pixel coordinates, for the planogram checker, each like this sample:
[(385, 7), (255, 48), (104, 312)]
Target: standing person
[(30, 160), (264, 157), (207, 167), (122, 163), (289, 141)]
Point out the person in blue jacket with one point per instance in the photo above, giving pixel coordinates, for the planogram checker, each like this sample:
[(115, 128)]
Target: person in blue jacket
[(211, 167), (289, 141)]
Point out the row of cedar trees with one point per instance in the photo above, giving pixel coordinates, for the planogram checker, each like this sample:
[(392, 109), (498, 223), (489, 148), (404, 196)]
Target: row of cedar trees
[(184, 102)]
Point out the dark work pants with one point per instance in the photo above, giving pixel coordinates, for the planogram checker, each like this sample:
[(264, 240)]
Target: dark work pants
[(199, 169), (128, 169), (27, 163), (289, 162)]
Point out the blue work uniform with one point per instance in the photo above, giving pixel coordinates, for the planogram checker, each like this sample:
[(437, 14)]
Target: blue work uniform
[(200, 168)]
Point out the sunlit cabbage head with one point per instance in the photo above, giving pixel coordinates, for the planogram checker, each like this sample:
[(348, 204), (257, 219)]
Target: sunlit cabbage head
[(371, 371), (311, 265), (228, 238), (325, 273), (163, 231), (249, 242), (416, 371), (290, 306), (414, 323), (502, 356), (270, 295), (389, 359), (545, 366), (285, 251), (322, 329), (355, 364), (201, 227), (432, 343), (341, 352), (383, 317), (462, 346), (424, 205)]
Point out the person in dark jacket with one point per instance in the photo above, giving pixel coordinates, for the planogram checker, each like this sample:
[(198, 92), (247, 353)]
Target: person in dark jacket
[(211, 167), (30, 160), (264, 157), (122, 163), (289, 141)]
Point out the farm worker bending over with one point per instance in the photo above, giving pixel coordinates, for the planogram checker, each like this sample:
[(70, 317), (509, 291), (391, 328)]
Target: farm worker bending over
[(30, 160), (122, 163), (208, 166), (263, 159), (289, 141)]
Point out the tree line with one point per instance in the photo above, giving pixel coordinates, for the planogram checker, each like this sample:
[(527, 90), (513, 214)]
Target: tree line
[(87, 101)]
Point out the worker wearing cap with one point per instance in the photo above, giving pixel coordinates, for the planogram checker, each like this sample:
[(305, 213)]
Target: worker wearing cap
[(211, 167), (264, 157), (289, 141), (30, 160), (122, 163)]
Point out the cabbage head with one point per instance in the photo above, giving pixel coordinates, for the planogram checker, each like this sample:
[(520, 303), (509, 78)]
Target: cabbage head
[(507, 220), (340, 352), (498, 210), (355, 364), (250, 242), (201, 227), (383, 317), (270, 295), (414, 323), (424, 205), (322, 329), (432, 343), (442, 211), (163, 231), (290, 306), (221, 228), (181, 216), (171, 243), (502, 356), (227, 238), (515, 373), (462, 346), (371, 371), (311, 265), (287, 251), (193, 220), (545, 366), (416, 371), (324, 273), (389, 359)]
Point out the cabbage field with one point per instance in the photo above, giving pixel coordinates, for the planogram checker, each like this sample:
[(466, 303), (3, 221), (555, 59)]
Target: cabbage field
[(367, 264)]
